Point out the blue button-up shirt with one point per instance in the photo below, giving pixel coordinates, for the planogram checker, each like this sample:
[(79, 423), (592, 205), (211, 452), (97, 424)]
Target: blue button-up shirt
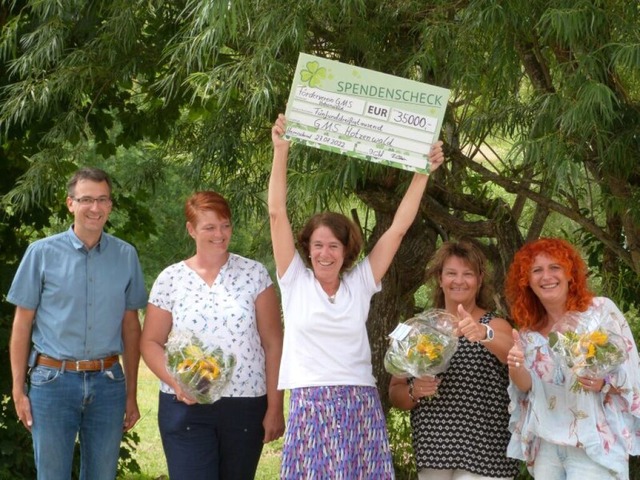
[(79, 295)]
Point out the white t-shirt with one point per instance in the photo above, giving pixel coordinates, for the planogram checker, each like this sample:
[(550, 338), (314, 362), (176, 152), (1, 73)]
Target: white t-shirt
[(326, 343), (222, 315)]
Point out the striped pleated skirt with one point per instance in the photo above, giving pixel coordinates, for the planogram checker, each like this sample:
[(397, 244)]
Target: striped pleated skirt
[(337, 433)]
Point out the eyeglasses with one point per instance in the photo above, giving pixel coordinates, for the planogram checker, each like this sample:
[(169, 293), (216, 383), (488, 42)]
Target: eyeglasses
[(89, 201)]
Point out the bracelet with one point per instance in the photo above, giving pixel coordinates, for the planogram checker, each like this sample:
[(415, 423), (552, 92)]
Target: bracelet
[(410, 382)]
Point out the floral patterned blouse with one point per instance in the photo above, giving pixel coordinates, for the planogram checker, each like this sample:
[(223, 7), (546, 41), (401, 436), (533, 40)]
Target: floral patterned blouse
[(222, 315), (605, 425)]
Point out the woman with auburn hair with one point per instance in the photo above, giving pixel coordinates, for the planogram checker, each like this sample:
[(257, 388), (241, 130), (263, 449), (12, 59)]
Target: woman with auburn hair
[(563, 425), (226, 301)]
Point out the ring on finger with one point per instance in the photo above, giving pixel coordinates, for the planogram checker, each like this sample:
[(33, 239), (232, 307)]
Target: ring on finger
[(517, 364)]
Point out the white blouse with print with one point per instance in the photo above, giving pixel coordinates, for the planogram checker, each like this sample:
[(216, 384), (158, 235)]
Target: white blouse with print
[(222, 315)]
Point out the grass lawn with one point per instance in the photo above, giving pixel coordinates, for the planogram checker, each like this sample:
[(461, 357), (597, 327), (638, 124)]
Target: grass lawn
[(149, 454)]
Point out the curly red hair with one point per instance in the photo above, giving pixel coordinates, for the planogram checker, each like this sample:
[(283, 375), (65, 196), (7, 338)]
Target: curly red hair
[(526, 309)]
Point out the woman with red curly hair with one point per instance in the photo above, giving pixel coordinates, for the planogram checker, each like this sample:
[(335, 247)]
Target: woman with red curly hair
[(566, 426)]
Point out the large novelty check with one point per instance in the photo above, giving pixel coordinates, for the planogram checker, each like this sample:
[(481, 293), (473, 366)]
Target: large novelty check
[(363, 113)]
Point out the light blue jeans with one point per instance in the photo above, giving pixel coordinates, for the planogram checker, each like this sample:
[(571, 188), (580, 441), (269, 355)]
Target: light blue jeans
[(560, 462), (67, 404)]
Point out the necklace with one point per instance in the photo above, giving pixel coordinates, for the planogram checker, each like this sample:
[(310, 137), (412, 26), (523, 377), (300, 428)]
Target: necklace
[(332, 298)]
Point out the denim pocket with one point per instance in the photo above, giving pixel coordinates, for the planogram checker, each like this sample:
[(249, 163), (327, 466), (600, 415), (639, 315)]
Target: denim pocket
[(115, 373), (41, 375)]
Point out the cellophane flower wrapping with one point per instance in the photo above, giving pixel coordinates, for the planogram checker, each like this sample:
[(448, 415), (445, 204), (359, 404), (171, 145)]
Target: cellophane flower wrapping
[(584, 343), (422, 345), (201, 371)]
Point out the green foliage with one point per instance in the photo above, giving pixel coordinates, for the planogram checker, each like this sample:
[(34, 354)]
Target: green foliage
[(16, 451), (618, 281), (399, 427), (199, 83), (127, 464)]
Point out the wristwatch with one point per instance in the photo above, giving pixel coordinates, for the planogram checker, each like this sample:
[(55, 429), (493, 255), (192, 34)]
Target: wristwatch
[(606, 386), (490, 333)]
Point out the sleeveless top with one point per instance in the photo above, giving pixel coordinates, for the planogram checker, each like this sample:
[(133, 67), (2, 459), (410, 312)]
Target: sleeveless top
[(465, 426)]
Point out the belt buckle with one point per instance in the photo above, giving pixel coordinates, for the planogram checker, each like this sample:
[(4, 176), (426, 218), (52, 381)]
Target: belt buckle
[(89, 365)]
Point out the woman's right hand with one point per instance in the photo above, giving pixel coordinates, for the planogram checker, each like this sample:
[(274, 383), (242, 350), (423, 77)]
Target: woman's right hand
[(278, 130), (515, 358), (183, 396), (425, 386)]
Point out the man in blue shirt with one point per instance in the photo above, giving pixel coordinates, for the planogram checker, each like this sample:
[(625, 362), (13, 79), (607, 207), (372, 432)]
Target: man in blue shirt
[(77, 296)]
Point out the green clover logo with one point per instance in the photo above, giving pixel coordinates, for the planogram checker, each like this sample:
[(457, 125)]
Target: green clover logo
[(314, 74)]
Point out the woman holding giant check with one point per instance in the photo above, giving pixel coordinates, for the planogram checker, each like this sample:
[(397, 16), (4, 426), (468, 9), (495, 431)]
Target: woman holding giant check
[(336, 426)]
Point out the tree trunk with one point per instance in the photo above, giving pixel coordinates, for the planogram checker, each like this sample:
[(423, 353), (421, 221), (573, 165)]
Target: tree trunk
[(395, 302)]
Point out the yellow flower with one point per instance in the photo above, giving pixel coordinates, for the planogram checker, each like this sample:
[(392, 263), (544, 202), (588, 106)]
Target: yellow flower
[(193, 351), (591, 341), (599, 337), (185, 365), (209, 368), (424, 346)]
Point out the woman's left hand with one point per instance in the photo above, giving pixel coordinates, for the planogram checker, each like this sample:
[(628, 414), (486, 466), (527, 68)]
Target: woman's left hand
[(436, 156), (273, 424), (469, 327), (591, 384)]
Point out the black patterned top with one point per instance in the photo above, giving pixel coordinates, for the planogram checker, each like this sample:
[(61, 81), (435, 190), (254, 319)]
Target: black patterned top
[(466, 425)]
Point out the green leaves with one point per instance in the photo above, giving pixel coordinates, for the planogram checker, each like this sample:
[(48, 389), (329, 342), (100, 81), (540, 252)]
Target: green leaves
[(550, 88), (313, 74)]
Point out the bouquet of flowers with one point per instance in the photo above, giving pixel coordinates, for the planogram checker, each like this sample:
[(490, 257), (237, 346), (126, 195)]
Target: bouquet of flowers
[(585, 346), (202, 372), (423, 345)]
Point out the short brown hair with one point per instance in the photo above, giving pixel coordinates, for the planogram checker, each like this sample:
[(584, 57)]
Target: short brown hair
[(87, 173), (206, 201), (345, 230)]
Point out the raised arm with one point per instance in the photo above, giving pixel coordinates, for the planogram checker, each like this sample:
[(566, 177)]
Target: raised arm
[(281, 233), (474, 331), (518, 373), (382, 254)]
